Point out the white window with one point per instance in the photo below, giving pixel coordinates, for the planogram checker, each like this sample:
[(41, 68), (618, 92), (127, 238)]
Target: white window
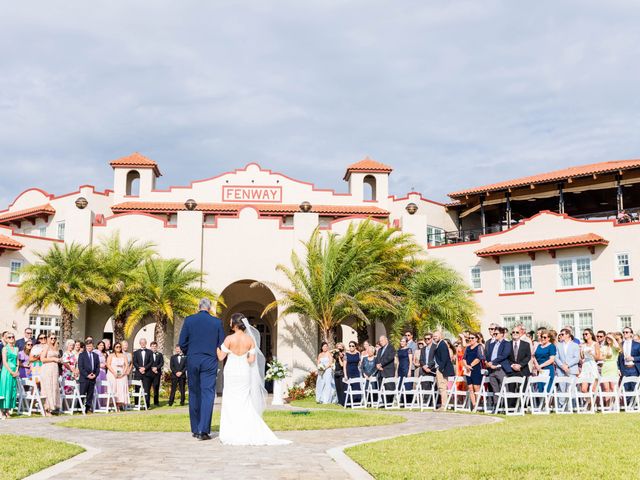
[(511, 320), (517, 278), (574, 272), (44, 324), (578, 321), (624, 321), (623, 265), (14, 271), (61, 226), (476, 282), (42, 231), (435, 236)]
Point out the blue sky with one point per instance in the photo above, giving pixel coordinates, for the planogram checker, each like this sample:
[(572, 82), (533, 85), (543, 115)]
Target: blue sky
[(451, 94)]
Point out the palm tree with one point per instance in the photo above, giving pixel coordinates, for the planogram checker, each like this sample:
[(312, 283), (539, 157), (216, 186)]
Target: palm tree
[(118, 262), (65, 277), (438, 297), (342, 277), (162, 289)]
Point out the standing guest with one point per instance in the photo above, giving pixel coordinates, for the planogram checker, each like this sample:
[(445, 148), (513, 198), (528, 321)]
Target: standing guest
[(498, 365), (3, 342), (590, 356), (416, 359), (77, 349), (34, 357), (69, 365), (411, 343), (520, 354), (568, 357), (49, 373), (609, 353), (156, 368), (369, 364), (458, 358), (573, 338), (117, 367), (629, 357), (442, 366), (600, 337), (9, 375), (89, 368), (107, 345), (493, 327), (385, 360), (325, 388), (338, 371), (426, 355), (101, 351), (472, 366), (142, 363), (405, 360), (178, 366), (28, 337), (351, 367), (127, 353), (544, 358), (24, 363)]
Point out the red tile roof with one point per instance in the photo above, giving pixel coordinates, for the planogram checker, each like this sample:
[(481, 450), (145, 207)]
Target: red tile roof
[(136, 160), (586, 240), (7, 243), (263, 208), (8, 217), (555, 176), (367, 165)]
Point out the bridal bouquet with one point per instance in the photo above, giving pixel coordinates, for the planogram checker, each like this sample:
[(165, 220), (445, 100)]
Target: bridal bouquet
[(276, 370)]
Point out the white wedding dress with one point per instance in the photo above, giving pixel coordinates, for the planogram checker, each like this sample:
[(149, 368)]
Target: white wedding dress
[(241, 414)]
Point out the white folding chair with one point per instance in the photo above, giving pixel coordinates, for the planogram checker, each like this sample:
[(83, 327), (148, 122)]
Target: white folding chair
[(355, 389), (585, 401), (483, 395), (538, 395), (107, 395), (388, 396), (29, 397), (609, 401), (139, 398), (630, 393), (427, 392), (372, 393), (512, 389), (457, 399), (409, 388), (563, 394), (68, 401)]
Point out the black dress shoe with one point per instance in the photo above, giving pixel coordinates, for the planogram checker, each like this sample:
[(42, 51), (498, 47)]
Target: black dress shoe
[(195, 435), (204, 436)]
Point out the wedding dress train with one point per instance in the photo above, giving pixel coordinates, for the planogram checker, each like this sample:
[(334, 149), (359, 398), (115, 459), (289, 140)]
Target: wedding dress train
[(241, 414)]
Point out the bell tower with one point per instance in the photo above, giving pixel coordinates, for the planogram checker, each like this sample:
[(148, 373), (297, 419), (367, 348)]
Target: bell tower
[(368, 180), (134, 176)]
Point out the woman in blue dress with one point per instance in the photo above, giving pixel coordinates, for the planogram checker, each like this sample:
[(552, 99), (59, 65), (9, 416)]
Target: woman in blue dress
[(405, 359), (544, 358), (325, 387), (472, 365), (352, 368)]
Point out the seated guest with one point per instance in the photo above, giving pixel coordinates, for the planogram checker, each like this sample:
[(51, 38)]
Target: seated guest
[(28, 337), (178, 366), (472, 365), (156, 369), (117, 367), (89, 369), (544, 358), (629, 357), (498, 364)]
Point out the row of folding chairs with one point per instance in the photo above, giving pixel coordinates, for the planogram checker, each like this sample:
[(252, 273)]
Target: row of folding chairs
[(390, 393), (30, 399)]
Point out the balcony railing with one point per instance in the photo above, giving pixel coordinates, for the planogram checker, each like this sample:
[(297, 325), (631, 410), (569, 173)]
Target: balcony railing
[(458, 236)]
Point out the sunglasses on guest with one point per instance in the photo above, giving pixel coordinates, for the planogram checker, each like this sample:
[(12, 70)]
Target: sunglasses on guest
[(545, 336), (11, 336), (626, 331)]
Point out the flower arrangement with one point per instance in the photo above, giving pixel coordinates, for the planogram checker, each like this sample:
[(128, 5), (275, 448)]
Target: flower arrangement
[(276, 370)]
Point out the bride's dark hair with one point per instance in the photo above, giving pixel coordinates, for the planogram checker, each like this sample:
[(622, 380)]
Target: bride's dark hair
[(237, 321)]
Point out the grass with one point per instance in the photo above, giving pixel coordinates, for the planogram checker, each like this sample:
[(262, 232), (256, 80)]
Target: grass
[(277, 420), (311, 403), (21, 456), (523, 448)]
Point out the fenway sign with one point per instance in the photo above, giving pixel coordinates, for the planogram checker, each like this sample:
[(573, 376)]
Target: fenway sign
[(251, 194)]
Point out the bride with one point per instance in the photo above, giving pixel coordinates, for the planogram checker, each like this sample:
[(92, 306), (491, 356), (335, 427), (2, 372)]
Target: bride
[(243, 394)]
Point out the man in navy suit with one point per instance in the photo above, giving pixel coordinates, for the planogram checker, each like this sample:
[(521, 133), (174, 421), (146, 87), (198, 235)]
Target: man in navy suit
[(498, 364), (629, 357), (441, 364), (89, 368), (201, 336)]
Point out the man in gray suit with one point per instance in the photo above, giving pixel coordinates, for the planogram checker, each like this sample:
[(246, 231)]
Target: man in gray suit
[(568, 357)]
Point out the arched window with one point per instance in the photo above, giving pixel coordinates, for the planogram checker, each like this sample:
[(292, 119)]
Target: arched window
[(370, 188), (133, 183)]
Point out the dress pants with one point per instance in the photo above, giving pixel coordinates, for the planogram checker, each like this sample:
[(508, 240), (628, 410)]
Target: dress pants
[(155, 384), (87, 388), (496, 378), (202, 371), (339, 387), (146, 383), (180, 383), (441, 381)]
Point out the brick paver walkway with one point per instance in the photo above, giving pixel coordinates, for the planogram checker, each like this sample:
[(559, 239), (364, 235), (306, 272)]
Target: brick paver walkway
[(164, 455)]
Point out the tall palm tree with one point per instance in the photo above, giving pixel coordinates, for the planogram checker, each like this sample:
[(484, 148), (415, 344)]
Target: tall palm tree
[(438, 297), (162, 289), (65, 277), (339, 277), (118, 263)]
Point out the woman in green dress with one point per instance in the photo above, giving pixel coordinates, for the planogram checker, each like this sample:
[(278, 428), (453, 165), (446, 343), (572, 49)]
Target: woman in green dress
[(9, 375), (609, 351)]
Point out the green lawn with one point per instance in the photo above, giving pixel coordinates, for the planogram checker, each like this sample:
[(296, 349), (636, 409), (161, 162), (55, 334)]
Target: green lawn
[(21, 456), (523, 448), (277, 420), (311, 403)]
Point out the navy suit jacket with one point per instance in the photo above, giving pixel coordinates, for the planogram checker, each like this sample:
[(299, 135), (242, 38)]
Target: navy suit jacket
[(635, 353), (442, 358), (84, 366), (502, 358), (201, 335)]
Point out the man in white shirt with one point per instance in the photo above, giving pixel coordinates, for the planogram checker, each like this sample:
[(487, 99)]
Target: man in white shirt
[(629, 357)]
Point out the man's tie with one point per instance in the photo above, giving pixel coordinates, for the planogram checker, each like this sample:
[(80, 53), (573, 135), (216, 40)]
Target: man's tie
[(515, 351), (91, 357)]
